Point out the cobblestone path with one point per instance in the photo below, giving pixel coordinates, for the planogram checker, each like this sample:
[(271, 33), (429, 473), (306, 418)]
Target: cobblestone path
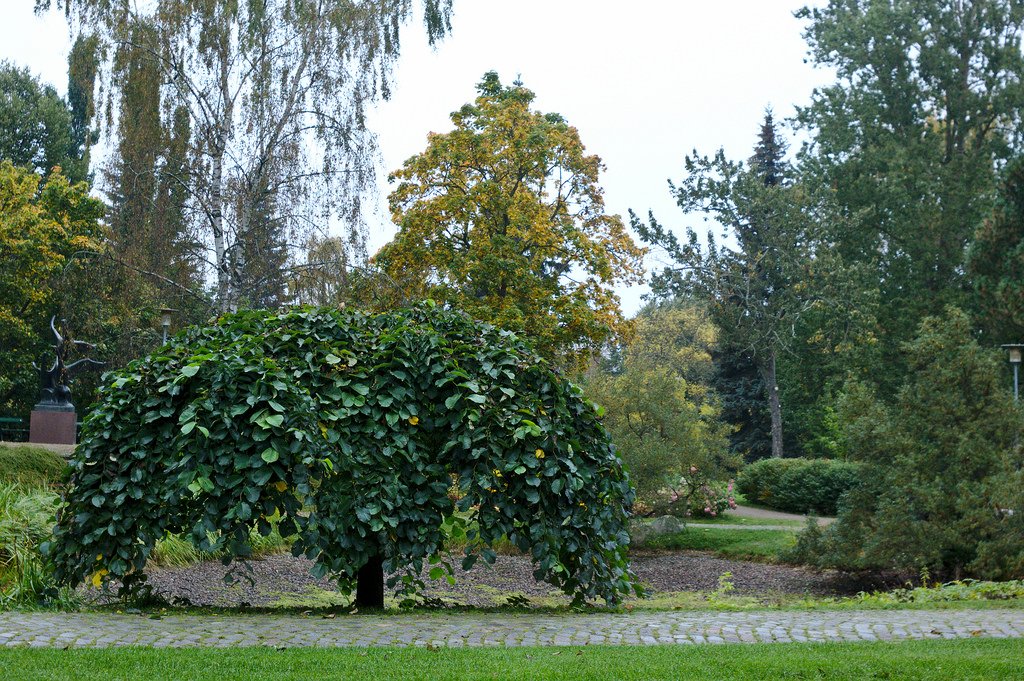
[(102, 630)]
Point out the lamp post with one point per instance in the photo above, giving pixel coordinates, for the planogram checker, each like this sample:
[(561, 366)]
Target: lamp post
[(1015, 352), (165, 320)]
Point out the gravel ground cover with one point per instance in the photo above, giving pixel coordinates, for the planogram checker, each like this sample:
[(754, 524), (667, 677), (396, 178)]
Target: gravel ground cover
[(284, 579)]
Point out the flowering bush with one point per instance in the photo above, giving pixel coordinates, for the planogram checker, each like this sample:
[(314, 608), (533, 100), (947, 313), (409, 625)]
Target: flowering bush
[(700, 496)]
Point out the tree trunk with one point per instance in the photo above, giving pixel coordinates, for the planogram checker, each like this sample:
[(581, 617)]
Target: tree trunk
[(217, 224), (370, 584), (226, 296), (772, 387)]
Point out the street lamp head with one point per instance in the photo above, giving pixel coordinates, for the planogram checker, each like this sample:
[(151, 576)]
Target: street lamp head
[(165, 316), (1015, 350)]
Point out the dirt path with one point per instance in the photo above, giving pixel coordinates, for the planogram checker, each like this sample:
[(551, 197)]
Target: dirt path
[(286, 580), (765, 514)]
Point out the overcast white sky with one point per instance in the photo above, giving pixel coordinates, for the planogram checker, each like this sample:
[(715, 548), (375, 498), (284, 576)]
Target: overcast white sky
[(645, 81)]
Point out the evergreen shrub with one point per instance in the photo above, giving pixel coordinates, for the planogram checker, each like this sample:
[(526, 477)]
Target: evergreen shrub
[(798, 485)]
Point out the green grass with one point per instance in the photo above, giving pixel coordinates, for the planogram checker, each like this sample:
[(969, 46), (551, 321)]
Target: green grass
[(913, 660), (26, 518), (752, 544), (176, 551), (727, 519), (30, 466)]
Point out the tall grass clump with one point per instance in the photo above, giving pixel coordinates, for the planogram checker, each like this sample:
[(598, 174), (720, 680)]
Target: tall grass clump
[(26, 520), (178, 551)]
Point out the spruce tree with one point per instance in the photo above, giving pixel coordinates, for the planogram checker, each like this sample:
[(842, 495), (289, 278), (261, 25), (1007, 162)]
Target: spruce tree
[(758, 289)]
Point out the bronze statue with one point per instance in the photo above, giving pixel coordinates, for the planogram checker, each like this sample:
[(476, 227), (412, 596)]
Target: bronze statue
[(56, 392)]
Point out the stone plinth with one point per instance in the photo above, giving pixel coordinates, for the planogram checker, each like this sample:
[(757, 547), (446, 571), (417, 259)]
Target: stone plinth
[(53, 425)]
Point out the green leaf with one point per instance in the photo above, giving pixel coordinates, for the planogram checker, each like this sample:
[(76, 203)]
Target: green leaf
[(332, 359), (479, 399), (269, 455), (451, 401), (190, 370), (275, 420), (436, 573), (188, 427)]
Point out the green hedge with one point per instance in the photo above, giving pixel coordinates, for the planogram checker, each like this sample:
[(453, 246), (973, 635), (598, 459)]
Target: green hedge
[(33, 466), (798, 485)]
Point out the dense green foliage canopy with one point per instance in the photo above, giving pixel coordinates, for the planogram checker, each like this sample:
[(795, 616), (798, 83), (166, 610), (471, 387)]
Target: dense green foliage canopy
[(36, 125), (995, 262), (942, 482), (42, 223), (755, 281), (503, 217), (799, 485), (352, 428), (925, 107), (658, 406)]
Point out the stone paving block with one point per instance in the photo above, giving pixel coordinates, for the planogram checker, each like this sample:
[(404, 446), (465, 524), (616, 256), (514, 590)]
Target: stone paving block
[(676, 627)]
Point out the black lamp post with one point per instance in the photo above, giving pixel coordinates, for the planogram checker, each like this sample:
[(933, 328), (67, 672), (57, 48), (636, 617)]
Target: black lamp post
[(1015, 351)]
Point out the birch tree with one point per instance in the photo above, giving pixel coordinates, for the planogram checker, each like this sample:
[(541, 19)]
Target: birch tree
[(275, 93)]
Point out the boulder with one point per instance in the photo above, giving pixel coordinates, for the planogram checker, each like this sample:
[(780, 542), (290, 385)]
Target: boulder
[(642, 531)]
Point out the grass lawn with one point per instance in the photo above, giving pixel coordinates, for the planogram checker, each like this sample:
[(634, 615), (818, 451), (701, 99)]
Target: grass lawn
[(727, 519), (963, 659), (763, 545)]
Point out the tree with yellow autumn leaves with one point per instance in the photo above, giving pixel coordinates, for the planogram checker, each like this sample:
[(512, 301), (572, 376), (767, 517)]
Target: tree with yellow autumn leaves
[(42, 223), (503, 217)]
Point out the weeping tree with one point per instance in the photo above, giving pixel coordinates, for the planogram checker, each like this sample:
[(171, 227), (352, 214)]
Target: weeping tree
[(351, 429), (275, 93)]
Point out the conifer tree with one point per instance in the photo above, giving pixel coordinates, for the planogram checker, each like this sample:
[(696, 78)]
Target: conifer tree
[(756, 290)]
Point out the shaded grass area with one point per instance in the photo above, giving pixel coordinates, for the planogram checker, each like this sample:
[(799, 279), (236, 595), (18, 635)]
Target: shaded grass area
[(964, 595), (752, 544), (177, 551), (726, 519), (27, 516), (963, 659), (30, 466)]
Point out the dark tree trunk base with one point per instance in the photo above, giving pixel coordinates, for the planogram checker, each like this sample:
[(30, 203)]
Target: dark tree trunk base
[(370, 584)]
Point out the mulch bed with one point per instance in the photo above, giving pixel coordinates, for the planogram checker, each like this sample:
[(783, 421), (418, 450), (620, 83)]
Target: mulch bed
[(278, 576)]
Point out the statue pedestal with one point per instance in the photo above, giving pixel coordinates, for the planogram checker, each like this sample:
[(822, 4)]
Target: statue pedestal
[(53, 424)]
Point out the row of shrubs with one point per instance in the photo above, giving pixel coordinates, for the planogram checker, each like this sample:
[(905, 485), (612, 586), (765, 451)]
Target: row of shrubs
[(798, 485)]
